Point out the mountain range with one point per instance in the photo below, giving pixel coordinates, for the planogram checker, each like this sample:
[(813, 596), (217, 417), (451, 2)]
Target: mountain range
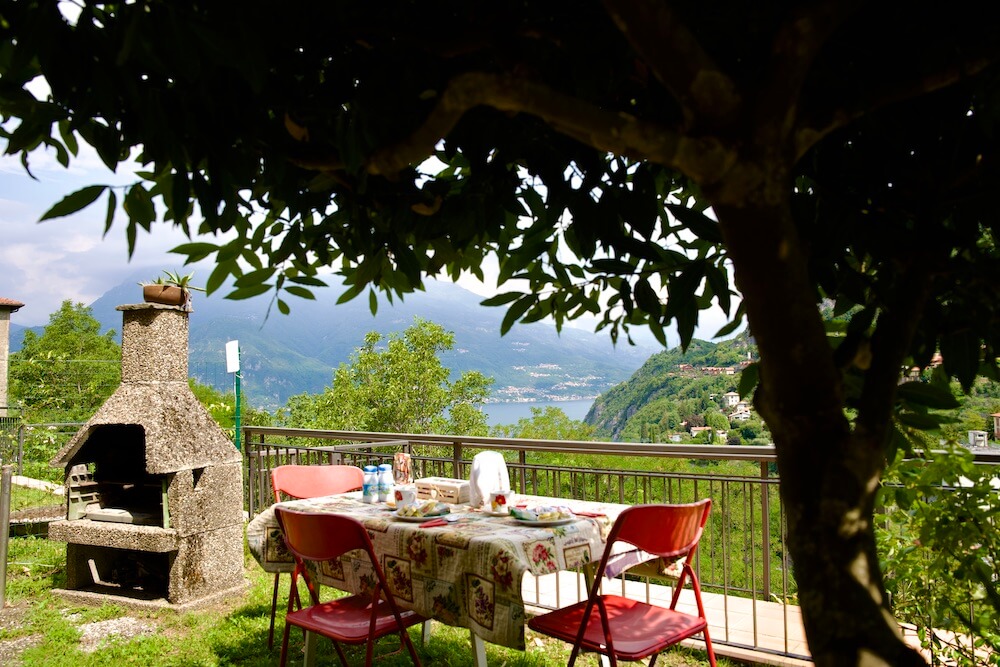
[(284, 355)]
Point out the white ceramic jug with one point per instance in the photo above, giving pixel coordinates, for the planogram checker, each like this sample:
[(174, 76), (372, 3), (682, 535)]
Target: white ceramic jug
[(489, 474)]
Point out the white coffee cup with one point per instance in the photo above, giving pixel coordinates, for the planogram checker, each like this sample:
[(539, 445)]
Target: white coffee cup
[(405, 496), (499, 502)]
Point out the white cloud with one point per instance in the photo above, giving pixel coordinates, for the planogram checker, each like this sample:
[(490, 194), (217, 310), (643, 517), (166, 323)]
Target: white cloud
[(43, 264)]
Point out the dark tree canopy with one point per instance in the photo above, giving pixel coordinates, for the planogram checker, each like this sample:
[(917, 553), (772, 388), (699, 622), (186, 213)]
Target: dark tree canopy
[(848, 152)]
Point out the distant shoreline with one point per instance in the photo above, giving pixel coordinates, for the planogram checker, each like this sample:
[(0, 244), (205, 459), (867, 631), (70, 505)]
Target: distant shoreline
[(510, 412)]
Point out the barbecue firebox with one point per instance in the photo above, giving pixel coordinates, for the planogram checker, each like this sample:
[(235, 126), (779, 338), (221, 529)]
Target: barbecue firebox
[(154, 486)]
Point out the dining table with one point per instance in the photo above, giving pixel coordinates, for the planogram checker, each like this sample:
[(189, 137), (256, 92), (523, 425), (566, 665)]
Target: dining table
[(465, 570)]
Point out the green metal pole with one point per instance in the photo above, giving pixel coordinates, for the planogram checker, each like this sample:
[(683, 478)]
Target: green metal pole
[(236, 436)]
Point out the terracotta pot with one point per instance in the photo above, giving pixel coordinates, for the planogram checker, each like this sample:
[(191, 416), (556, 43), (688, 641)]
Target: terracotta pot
[(170, 295)]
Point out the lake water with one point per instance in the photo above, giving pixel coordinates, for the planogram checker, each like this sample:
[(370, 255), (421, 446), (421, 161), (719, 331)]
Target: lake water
[(511, 413)]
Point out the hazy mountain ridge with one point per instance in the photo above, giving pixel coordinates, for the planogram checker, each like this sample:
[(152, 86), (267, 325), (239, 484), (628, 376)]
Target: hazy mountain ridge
[(285, 355)]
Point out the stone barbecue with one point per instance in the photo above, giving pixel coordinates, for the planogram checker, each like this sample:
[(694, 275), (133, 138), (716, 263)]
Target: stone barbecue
[(154, 486)]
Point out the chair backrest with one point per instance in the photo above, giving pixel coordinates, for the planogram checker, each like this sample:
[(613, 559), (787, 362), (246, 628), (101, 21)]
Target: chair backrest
[(319, 537), (298, 481), (667, 531)]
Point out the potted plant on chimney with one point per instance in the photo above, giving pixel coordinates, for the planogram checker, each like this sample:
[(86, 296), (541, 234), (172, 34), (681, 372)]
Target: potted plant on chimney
[(171, 289)]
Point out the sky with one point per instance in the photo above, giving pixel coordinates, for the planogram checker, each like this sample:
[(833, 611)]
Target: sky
[(43, 264)]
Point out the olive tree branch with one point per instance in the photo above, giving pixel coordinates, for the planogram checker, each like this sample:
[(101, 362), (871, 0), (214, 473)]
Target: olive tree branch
[(796, 45), (676, 58), (704, 159), (814, 127)]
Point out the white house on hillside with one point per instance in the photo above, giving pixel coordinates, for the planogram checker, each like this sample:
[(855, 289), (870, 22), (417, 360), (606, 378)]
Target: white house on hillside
[(740, 414)]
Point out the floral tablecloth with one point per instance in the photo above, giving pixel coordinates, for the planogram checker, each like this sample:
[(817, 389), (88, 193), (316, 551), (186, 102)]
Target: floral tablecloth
[(466, 574)]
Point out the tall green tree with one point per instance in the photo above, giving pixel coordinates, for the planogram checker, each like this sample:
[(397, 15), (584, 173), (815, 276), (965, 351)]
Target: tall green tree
[(717, 420), (847, 151), (397, 384), (67, 372)]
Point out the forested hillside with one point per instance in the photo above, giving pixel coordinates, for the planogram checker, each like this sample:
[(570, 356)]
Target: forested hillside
[(671, 386), (674, 388)]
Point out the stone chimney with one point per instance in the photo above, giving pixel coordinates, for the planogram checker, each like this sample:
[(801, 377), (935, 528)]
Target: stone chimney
[(7, 306)]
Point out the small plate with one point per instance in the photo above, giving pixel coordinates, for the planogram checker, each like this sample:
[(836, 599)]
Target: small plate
[(419, 519), (492, 513), (547, 522)]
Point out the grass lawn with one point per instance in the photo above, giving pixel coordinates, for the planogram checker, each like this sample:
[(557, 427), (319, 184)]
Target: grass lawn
[(40, 629)]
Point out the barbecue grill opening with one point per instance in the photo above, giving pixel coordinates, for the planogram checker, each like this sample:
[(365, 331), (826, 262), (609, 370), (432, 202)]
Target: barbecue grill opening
[(108, 479)]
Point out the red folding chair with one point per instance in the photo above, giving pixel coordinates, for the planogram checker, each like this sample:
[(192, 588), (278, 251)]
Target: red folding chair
[(295, 481), (358, 619), (626, 629)]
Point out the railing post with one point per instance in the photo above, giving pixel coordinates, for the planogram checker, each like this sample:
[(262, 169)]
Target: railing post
[(765, 523), (456, 449), (248, 471), (5, 485), (20, 450), (522, 458)]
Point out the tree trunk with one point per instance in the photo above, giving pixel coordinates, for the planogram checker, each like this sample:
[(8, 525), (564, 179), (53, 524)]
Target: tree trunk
[(829, 475)]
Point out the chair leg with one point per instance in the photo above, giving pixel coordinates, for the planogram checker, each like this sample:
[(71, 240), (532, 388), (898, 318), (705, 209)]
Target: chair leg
[(409, 644), (708, 648), (274, 608), (340, 654), (284, 646)]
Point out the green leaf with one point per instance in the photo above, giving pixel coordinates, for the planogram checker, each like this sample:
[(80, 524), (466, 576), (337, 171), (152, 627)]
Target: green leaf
[(501, 299), (961, 357), (222, 271), (514, 313), (698, 223), (74, 202), (922, 393), (307, 280), (729, 328), (248, 292), (658, 332), (68, 137), (748, 380), (195, 251), (613, 266), (300, 292), (647, 298), (139, 206), (718, 281), (919, 420), (351, 292), (255, 277), (112, 207), (283, 307)]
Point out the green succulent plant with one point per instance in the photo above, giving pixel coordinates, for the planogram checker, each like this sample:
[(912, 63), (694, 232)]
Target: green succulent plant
[(176, 279)]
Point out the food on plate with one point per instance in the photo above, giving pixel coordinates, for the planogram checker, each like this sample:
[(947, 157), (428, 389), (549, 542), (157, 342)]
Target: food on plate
[(426, 508), (542, 513)]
